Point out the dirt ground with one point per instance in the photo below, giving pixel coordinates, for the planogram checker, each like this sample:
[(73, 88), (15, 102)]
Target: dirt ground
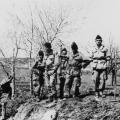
[(86, 107)]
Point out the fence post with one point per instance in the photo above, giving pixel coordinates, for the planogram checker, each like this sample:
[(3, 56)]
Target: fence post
[(115, 77), (13, 73), (3, 110), (31, 75), (31, 82)]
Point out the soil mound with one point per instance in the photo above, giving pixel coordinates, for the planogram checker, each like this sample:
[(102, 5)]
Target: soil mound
[(86, 108), (35, 111)]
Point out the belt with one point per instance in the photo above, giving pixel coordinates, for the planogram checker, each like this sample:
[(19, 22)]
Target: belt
[(99, 58)]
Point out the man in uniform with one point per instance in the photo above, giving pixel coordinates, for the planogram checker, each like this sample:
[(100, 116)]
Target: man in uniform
[(38, 75), (50, 72), (99, 65), (63, 62), (73, 80)]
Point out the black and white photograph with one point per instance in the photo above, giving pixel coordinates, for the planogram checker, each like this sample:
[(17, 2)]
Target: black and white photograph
[(59, 60)]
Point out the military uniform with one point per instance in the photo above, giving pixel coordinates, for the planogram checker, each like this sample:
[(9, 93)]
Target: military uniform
[(99, 66), (38, 77), (50, 74), (61, 74), (73, 77)]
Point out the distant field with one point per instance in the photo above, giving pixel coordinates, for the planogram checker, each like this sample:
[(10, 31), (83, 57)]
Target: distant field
[(23, 79)]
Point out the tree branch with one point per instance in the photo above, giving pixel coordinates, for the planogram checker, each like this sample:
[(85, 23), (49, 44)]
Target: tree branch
[(44, 26)]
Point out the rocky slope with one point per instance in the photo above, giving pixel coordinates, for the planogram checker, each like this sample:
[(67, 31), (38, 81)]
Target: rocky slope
[(86, 108)]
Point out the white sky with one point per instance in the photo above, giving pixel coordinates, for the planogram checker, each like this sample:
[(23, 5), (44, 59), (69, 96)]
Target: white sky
[(88, 17)]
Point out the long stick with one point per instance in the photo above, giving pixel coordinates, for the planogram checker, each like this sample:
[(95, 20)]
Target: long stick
[(31, 76), (3, 111), (13, 80), (115, 77)]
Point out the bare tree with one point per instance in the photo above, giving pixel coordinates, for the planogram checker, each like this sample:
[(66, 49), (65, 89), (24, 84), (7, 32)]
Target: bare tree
[(48, 28), (114, 61), (16, 39), (35, 34)]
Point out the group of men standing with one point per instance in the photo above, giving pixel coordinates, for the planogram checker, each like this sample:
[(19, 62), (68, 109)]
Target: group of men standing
[(63, 78)]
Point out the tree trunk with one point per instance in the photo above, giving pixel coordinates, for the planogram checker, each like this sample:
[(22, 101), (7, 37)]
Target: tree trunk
[(31, 75)]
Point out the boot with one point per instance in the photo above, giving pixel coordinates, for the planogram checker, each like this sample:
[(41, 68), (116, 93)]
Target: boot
[(97, 96), (101, 94), (50, 99)]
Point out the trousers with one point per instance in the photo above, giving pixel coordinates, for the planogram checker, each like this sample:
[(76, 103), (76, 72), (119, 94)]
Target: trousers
[(99, 78), (61, 84), (52, 85), (72, 85)]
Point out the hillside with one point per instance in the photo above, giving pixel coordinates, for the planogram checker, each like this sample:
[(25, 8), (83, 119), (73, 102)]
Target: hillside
[(86, 107)]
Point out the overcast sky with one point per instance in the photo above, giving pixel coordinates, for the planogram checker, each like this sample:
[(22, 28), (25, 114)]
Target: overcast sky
[(88, 18)]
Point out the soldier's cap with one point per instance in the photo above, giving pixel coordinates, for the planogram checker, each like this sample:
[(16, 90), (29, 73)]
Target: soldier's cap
[(74, 46), (47, 45), (98, 37), (40, 53), (64, 49)]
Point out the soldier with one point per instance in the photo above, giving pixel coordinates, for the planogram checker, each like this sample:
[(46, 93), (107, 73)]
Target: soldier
[(50, 72), (38, 72), (99, 65), (74, 73), (63, 62), (5, 86)]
